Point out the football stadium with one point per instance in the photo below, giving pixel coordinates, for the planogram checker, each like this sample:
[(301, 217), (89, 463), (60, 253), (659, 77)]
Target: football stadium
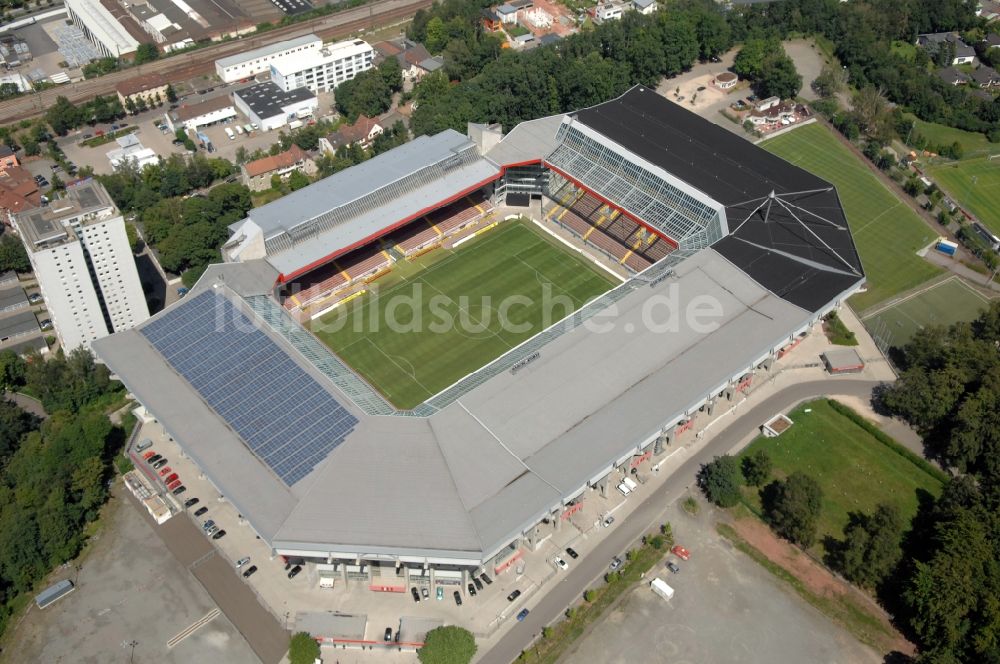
[(375, 379)]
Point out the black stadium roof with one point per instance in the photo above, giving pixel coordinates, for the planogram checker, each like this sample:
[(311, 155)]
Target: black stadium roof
[(787, 227)]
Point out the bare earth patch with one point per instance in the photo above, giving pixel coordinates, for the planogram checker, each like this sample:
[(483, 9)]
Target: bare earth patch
[(816, 578)]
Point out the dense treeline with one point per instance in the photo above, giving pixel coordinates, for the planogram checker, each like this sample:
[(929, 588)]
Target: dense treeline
[(53, 474), (504, 86), (186, 231), (370, 92)]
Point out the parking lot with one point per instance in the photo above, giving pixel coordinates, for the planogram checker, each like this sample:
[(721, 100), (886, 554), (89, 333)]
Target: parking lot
[(130, 588), (726, 608)]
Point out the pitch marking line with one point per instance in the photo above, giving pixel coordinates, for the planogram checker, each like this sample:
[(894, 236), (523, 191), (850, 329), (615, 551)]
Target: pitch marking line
[(193, 627)]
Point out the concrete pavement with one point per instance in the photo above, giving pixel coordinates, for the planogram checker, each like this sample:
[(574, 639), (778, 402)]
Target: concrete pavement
[(738, 433)]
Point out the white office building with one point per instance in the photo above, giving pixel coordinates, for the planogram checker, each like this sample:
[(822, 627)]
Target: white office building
[(269, 107), (101, 28), (81, 257), (244, 65), (325, 69)]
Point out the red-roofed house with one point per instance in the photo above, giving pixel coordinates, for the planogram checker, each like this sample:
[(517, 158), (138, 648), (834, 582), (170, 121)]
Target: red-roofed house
[(257, 174), (363, 132), (7, 158), (18, 192)]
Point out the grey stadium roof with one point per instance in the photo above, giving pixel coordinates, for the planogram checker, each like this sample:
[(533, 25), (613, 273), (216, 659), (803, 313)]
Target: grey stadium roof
[(463, 481)]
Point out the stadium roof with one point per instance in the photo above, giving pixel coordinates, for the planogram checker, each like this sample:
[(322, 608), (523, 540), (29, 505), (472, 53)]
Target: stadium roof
[(301, 213)]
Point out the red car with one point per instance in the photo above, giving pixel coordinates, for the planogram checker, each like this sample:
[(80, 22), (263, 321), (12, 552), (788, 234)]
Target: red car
[(681, 552), (173, 485), (166, 471), (171, 478), (148, 453)]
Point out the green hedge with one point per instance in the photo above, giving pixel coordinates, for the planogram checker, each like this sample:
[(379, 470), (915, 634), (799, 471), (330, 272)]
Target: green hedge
[(886, 440)]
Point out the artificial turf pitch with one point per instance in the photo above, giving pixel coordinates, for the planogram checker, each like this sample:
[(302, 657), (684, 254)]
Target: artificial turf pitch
[(886, 231), (398, 336)]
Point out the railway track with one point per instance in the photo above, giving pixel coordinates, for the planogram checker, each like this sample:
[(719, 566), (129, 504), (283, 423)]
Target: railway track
[(198, 63)]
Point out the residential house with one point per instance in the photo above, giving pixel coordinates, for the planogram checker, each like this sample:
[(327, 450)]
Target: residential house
[(963, 54), (257, 174), (362, 132), (7, 158), (18, 192), (986, 77), (148, 87), (992, 40), (644, 6), (952, 76), (507, 14), (607, 12), (491, 21), (989, 10)]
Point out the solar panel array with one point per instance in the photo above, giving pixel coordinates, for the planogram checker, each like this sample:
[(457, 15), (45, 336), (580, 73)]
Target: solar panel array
[(282, 413)]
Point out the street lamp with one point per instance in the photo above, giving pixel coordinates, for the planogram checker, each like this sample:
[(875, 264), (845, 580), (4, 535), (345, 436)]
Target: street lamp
[(131, 646)]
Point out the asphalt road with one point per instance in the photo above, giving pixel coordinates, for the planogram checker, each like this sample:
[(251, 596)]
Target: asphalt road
[(651, 511), (267, 638)]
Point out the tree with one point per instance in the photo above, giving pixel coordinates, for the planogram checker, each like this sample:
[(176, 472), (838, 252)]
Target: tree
[(831, 80), (870, 548), (14, 422), (778, 78), (171, 93), (792, 507), (302, 649), (146, 52), (447, 645), (720, 480), (749, 62), (13, 255), (62, 116), (297, 180), (436, 35), (757, 468)]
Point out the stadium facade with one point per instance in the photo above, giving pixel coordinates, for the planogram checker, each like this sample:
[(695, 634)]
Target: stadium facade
[(323, 467)]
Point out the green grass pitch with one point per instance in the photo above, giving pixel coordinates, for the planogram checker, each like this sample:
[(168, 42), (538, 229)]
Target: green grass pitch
[(887, 232), (975, 185), (467, 285), (943, 303), (855, 471)]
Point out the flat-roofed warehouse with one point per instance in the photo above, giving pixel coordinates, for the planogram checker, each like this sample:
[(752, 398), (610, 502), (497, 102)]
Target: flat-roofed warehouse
[(483, 468)]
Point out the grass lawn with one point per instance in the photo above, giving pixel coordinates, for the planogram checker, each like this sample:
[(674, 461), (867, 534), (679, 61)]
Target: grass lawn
[(975, 185), (973, 143), (943, 303), (887, 232), (447, 308), (855, 470)]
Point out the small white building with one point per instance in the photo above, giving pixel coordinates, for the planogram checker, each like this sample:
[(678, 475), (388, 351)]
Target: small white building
[(131, 150), (324, 69), (726, 80), (644, 6), (607, 12), (270, 107), (244, 65), (82, 259)]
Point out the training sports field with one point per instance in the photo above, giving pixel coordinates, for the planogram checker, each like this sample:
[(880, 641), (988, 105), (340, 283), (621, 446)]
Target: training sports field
[(887, 232), (855, 469), (943, 303), (975, 185), (433, 320)]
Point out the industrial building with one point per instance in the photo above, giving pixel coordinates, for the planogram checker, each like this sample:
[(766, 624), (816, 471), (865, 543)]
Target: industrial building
[(324, 69), (269, 107), (191, 117), (101, 27), (323, 467), (257, 61), (82, 259)]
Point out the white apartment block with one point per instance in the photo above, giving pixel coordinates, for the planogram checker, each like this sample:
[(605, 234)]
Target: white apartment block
[(325, 69), (244, 65), (84, 265)]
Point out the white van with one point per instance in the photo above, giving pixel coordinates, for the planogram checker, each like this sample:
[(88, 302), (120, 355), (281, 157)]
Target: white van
[(230, 134), (627, 486), (239, 130)]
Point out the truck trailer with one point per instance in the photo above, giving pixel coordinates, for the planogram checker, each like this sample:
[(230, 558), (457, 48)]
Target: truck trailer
[(660, 587)]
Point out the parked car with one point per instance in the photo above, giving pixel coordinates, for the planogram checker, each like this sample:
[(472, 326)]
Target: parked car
[(440, 592), (189, 502), (207, 525), (171, 477), (514, 595), (415, 593), (147, 454), (219, 534), (478, 583), (211, 531), (248, 572), (46, 324), (424, 593), (487, 580), (387, 637), (608, 521), (200, 511), (571, 553), (35, 298), (560, 563), (161, 463), (672, 566), (458, 598), (166, 470), (173, 485), (153, 459), (680, 552), (179, 490), (522, 614), (294, 572), (616, 562), (472, 590), (242, 561)]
